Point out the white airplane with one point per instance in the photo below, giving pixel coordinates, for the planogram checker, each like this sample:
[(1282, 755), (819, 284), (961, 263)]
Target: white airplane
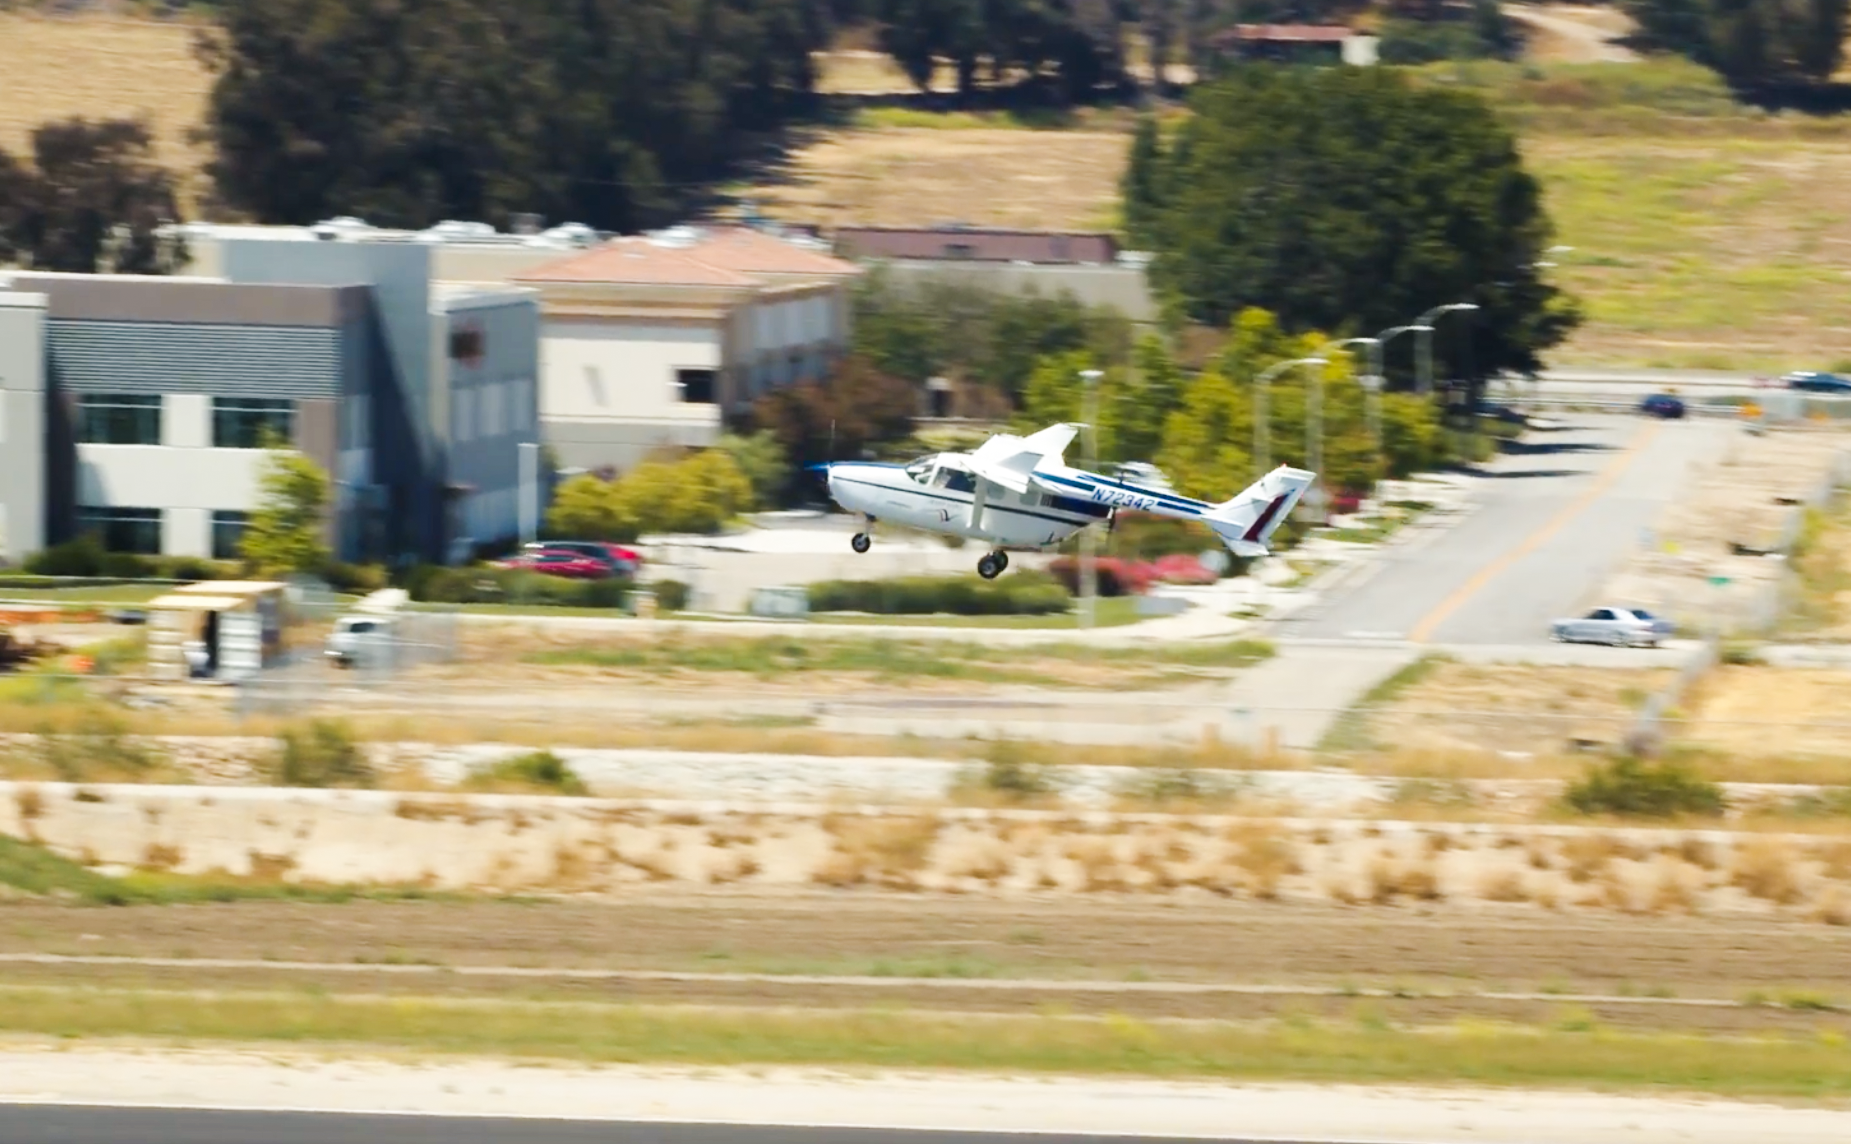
[(1017, 493)]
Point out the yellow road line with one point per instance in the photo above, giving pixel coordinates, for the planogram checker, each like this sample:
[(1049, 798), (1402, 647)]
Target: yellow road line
[(1485, 575)]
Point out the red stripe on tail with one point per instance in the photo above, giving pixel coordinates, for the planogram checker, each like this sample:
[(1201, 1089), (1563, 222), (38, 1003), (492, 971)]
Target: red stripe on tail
[(1259, 526)]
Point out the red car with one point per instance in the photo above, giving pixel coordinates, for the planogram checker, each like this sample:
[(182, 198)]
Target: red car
[(619, 558), (559, 562)]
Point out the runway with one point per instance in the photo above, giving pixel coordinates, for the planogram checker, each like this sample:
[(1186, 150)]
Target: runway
[(72, 1124)]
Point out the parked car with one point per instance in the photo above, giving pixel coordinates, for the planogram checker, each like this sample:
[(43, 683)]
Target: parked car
[(351, 636), (623, 560), (1812, 381), (1662, 405), (1621, 627), (560, 562)]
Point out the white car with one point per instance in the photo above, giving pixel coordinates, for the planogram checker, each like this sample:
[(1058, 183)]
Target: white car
[(1621, 627), (353, 636)]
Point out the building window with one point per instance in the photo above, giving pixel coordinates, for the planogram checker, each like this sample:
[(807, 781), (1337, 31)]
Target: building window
[(228, 534), (466, 345), (244, 422), (119, 418), (124, 529), (696, 385)]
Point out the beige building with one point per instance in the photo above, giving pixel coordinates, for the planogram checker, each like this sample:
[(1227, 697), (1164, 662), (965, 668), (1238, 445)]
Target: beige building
[(651, 341)]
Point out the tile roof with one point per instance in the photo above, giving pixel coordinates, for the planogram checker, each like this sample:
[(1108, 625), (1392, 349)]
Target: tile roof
[(718, 256)]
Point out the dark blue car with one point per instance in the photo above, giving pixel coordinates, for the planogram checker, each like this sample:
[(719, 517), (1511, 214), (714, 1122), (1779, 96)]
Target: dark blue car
[(1662, 405), (1814, 382)]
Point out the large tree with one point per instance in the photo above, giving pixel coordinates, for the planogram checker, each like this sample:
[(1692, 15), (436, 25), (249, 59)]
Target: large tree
[(1349, 199), (94, 199), (1752, 42), (608, 112)]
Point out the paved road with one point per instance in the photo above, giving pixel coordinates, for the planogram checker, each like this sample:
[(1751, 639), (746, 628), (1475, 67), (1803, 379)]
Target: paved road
[(67, 1124), (1550, 521)]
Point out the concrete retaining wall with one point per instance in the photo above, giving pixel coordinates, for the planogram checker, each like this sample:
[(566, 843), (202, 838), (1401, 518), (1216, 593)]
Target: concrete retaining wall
[(553, 845)]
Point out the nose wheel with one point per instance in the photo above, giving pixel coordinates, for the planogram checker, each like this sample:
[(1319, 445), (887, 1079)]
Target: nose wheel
[(992, 565), (860, 542)]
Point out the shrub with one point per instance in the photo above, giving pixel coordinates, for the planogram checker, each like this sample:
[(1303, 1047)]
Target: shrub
[(1644, 790), (1007, 773), (80, 557), (125, 566), (1024, 594), (322, 754), (536, 770), (1113, 576), (97, 749), (355, 578), (671, 595)]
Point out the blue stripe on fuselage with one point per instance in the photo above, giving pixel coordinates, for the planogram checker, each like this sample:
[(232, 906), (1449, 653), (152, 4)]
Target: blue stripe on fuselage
[(1172, 500)]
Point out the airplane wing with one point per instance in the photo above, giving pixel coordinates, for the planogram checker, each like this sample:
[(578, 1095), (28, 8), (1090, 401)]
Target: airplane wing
[(1010, 461)]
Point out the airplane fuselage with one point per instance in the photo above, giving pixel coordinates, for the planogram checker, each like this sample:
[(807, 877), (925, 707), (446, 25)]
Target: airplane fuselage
[(943, 501)]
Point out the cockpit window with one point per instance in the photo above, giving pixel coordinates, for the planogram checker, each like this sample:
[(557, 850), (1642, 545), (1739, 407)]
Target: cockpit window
[(920, 470)]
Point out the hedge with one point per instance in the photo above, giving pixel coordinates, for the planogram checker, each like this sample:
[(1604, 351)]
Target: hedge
[(85, 557), (429, 583), (1021, 594)]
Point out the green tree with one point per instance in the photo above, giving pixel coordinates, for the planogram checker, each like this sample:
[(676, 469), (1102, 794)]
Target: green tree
[(1751, 42), (609, 112), (761, 459), (1138, 187), (95, 199), (857, 408), (950, 329), (1138, 402), (587, 508), (1348, 198), (1205, 451), (285, 530)]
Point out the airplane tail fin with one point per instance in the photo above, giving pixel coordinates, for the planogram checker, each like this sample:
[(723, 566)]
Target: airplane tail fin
[(1247, 521)]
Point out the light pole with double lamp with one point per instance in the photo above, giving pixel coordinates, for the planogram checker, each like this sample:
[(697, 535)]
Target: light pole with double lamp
[(1262, 430), (1425, 325)]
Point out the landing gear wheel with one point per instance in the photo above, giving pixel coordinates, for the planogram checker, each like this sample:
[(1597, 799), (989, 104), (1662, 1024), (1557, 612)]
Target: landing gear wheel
[(860, 542), (1002, 560), (989, 567)]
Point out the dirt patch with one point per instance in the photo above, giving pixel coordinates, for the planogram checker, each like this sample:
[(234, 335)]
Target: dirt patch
[(1726, 516), (917, 176), (1541, 711), (1760, 712), (1409, 950)]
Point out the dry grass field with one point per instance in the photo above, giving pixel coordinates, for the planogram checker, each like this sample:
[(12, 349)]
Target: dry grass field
[(52, 67), (1533, 711)]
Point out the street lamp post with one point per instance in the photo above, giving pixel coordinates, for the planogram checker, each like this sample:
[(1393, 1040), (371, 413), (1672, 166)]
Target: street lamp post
[(1425, 325), (1372, 385), (1088, 580), (1262, 431)]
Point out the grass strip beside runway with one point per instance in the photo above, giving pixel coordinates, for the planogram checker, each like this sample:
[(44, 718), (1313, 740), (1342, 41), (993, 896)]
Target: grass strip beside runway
[(1573, 1051)]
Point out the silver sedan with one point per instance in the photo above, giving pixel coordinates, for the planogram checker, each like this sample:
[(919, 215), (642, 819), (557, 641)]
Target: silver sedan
[(1622, 627)]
